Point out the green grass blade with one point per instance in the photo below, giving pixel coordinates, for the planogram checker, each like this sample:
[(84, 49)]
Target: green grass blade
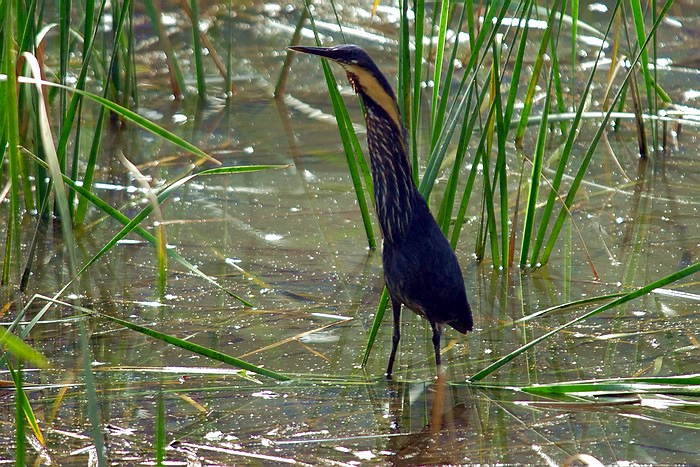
[(88, 27), (638, 18), (160, 429), (282, 79), (537, 163), (500, 171), (24, 352), (419, 11), (21, 408), (556, 74), (376, 324), (403, 95), (190, 346), (64, 29), (354, 156), (488, 200), (25, 408), (468, 188), (471, 26), (70, 113), (439, 114), (518, 65), (572, 304), (131, 116), (20, 436), (529, 97), (11, 130), (198, 54), (617, 302), (436, 103), (444, 215), (669, 385), (574, 32), (464, 202), (54, 163)]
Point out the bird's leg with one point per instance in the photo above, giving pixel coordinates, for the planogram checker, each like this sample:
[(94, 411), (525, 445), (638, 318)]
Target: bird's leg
[(437, 333), (396, 306)]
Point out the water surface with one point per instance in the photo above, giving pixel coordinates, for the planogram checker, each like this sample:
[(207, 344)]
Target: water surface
[(291, 242)]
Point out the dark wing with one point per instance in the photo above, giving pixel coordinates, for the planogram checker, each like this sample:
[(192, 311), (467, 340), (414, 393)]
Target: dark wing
[(422, 272)]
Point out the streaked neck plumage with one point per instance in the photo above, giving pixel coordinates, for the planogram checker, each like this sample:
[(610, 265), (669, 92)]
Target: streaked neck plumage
[(394, 189)]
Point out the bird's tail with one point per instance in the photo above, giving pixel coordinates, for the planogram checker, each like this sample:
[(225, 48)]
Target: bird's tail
[(464, 323)]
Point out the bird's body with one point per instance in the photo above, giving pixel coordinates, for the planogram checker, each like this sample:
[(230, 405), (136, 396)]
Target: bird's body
[(420, 269)]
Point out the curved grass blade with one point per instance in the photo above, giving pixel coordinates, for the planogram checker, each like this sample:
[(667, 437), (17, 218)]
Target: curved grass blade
[(55, 166), (183, 344), (24, 410), (24, 352), (617, 302), (128, 115), (572, 304)]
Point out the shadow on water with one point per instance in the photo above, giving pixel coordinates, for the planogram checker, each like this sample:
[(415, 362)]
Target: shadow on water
[(292, 242)]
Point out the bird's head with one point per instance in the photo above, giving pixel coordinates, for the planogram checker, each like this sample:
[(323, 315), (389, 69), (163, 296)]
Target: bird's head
[(363, 74)]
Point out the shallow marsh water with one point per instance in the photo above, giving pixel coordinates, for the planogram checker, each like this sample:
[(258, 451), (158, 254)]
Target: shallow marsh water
[(291, 241)]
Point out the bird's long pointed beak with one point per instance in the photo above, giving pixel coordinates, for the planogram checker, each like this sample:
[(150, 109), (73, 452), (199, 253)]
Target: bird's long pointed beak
[(325, 52)]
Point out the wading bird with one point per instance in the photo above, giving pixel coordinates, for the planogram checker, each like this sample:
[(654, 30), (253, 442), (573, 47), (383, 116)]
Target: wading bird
[(420, 268)]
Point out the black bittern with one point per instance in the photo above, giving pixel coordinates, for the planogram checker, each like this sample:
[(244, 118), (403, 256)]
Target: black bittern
[(420, 269)]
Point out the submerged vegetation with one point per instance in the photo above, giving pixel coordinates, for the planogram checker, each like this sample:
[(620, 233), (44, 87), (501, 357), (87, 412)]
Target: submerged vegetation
[(510, 108)]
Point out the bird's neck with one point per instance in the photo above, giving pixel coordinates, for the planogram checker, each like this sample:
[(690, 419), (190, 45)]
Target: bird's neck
[(394, 188)]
